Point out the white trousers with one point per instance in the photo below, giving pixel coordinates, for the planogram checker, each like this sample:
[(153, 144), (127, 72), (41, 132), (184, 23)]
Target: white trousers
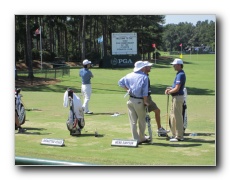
[(86, 91)]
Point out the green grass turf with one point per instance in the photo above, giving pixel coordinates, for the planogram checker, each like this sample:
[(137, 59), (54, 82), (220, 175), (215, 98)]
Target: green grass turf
[(48, 118)]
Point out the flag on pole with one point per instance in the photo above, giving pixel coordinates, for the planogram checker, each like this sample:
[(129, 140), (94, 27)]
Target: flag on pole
[(153, 45), (180, 44), (37, 32)]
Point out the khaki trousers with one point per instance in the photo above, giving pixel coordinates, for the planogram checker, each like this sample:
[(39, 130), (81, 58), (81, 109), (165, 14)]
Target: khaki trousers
[(176, 118), (137, 114)]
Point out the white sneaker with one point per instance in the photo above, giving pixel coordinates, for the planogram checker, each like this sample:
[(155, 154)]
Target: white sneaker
[(162, 130), (176, 140)]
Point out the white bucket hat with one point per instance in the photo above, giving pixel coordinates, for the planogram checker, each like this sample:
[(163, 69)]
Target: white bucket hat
[(177, 61), (140, 64), (148, 63), (86, 61)]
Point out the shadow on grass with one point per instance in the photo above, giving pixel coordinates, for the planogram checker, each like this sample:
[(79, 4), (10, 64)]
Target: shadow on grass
[(33, 109), (155, 89), (200, 134), (160, 89), (99, 114), (87, 135), (173, 144), (109, 113), (50, 88), (34, 133), (198, 142)]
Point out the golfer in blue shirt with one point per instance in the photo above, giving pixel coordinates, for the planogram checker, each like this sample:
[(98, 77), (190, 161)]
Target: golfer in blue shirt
[(177, 92), (86, 88)]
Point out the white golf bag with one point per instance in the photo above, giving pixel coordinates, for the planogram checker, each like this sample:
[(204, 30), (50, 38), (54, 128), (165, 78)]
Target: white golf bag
[(19, 107), (184, 113), (75, 122)]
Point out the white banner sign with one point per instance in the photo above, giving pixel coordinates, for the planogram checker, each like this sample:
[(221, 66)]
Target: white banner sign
[(124, 43)]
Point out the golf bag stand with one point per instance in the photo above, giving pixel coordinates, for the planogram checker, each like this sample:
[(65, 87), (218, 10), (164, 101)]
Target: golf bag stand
[(167, 120), (19, 106), (74, 124), (148, 122)]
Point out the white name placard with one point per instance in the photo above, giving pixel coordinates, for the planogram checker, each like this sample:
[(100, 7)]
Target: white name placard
[(126, 143), (53, 142)]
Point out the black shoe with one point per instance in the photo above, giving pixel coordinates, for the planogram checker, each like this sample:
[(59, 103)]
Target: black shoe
[(21, 130), (145, 141), (162, 135)]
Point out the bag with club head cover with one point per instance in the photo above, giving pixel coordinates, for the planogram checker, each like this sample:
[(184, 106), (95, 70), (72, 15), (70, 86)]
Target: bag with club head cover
[(19, 106), (75, 122)]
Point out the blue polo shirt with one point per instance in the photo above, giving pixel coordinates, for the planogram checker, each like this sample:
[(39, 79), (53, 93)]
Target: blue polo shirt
[(180, 79), (136, 82), (86, 75)]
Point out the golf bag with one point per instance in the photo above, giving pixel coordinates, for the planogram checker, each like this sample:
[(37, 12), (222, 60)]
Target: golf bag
[(184, 112), (75, 122), (148, 122), (19, 107)]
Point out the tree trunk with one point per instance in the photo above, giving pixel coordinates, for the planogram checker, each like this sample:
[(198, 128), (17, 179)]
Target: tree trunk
[(105, 36), (83, 38), (29, 52)]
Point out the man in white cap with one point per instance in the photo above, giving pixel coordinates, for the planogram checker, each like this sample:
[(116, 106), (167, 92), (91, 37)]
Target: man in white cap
[(176, 117), (86, 87), (136, 84)]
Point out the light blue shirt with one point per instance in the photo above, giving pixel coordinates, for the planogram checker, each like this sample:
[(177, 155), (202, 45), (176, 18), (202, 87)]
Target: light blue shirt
[(86, 75), (136, 82)]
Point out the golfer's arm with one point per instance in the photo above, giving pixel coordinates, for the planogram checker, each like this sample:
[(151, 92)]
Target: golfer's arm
[(174, 90), (145, 100)]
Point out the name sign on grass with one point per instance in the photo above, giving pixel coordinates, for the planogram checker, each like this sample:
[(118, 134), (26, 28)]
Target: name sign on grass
[(125, 143), (52, 142)]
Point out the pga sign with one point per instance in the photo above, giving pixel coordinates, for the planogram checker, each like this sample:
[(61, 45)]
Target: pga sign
[(124, 51), (121, 62)]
